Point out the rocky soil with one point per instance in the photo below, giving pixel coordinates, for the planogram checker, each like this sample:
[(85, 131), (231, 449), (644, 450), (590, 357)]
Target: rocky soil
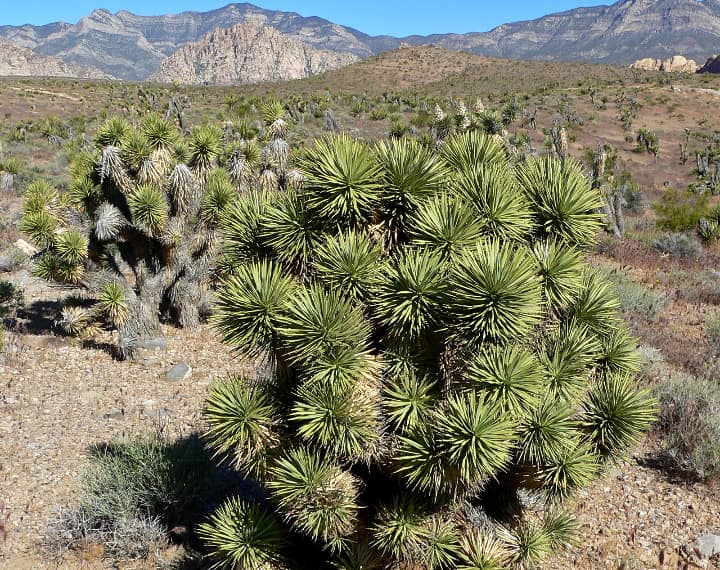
[(58, 397)]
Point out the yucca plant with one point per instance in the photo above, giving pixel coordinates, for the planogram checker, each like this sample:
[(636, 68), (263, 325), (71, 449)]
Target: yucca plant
[(436, 350), (138, 227)]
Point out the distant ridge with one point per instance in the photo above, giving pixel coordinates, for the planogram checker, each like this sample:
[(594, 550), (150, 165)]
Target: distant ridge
[(18, 61), (129, 46)]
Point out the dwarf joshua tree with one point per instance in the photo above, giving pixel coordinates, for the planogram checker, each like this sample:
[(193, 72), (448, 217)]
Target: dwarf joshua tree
[(138, 227), (441, 368)]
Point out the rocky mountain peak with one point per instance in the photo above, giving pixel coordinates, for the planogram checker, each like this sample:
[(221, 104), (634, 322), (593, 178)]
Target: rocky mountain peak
[(249, 52)]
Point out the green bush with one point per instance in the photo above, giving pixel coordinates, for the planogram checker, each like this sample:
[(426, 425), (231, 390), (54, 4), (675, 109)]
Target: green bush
[(436, 351), (689, 423), (679, 210), (379, 113), (132, 492), (712, 328)]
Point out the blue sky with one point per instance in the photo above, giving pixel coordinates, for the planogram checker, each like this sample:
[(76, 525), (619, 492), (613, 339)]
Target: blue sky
[(398, 18)]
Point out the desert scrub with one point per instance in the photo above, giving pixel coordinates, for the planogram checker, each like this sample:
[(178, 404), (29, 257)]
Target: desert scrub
[(689, 424), (438, 357), (678, 244), (635, 298), (131, 493), (11, 297)]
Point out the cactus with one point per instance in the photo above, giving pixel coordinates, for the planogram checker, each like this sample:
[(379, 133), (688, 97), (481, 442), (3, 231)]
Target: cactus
[(441, 368)]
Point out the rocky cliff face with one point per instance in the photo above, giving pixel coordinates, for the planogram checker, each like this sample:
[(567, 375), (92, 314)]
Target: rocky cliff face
[(247, 53), (712, 65), (16, 60), (674, 64), (621, 33), (128, 46)]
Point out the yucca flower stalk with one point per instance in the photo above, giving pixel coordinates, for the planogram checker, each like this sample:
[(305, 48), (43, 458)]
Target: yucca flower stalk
[(438, 350)]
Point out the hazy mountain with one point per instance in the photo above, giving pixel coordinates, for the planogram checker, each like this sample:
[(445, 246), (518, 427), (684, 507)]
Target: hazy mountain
[(15, 60), (131, 47), (128, 46), (247, 53)]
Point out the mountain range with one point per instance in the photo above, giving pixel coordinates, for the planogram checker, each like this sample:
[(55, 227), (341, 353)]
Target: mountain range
[(128, 46)]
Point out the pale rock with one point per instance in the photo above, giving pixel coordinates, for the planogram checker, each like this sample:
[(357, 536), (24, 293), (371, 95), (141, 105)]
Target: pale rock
[(247, 53), (25, 247), (674, 64)]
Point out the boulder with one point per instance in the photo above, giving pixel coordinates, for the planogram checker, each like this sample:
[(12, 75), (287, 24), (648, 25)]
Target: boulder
[(674, 64), (705, 546)]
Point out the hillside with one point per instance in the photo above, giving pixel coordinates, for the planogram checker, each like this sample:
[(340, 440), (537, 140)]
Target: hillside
[(620, 33), (247, 53), (17, 61), (441, 72), (129, 46)]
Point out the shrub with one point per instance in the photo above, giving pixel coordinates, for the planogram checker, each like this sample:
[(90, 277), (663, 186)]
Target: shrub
[(689, 423), (635, 298), (680, 211), (378, 113), (12, 259), (712, 328), (678, 244), (131, 493), (438, 352), (635, 202), (11, 297)]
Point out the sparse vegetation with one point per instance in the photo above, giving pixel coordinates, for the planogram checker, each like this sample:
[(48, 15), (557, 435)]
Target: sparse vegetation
[(690, 425), (131, 494)]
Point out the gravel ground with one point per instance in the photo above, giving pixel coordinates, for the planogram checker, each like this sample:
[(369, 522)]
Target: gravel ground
[(58, 398)]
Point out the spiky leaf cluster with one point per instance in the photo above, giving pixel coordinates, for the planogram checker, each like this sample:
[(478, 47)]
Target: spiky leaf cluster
[(433, 340)]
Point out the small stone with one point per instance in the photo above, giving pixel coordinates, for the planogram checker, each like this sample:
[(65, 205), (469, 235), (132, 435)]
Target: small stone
[(149, 362), (178, 373), (705, 546), (117, 415)]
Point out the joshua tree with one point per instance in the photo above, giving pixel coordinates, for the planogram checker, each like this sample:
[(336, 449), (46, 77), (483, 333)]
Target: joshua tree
[(648, 141), (441, 370), (138, 227)]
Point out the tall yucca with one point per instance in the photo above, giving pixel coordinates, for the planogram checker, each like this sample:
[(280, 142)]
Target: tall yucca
[(439, 351)]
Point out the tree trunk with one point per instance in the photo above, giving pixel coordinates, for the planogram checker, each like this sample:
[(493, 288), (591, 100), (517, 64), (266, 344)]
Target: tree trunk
[(143, 319)]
